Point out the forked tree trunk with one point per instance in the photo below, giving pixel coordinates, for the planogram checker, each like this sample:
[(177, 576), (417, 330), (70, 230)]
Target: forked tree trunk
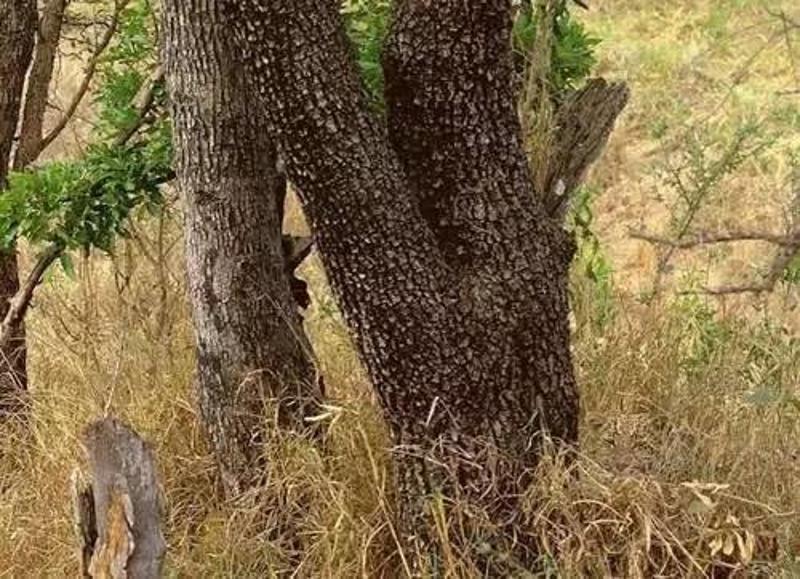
[(449, 268), (250, 343), (452, 277), (17, 30)]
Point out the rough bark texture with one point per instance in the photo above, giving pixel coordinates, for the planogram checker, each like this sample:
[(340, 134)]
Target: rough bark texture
[(250, 343), (450, 274), (38, 89), (125, 508), (17, 29), (582, 127)]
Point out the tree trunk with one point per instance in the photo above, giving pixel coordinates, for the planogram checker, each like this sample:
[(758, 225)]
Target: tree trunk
[(251, 348), (17, 29), (450, 273), (38, 90)]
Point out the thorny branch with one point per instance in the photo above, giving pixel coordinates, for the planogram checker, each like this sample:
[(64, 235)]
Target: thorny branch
[(788, 244)]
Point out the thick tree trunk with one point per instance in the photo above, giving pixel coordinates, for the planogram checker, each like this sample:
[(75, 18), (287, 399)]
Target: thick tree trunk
[(17, 29), (448, 270), (251, 348)]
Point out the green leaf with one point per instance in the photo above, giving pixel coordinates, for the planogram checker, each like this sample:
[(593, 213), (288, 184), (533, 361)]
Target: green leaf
[(67, 265)]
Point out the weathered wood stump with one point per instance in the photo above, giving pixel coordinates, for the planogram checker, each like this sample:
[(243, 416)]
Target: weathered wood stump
[(117, 515)]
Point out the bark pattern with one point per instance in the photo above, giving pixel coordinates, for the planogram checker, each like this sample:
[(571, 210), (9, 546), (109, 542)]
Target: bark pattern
[(450, 275), (452, 118), (38, 90), (17, 29), (250, 342), (126, 510)]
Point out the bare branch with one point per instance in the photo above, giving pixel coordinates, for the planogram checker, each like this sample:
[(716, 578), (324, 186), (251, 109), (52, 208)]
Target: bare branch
[(710, 238), (91, 68), (18, 305), (765, 285)]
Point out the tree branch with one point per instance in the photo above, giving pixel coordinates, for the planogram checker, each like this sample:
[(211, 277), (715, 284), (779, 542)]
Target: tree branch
[(18, 305), (789, 244), (710, 238), (91, 68), (765, 285), (143, 102)]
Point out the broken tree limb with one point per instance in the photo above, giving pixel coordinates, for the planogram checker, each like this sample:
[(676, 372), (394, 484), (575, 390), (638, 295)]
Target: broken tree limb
[(84, 520), (583, 125), (124, 514)]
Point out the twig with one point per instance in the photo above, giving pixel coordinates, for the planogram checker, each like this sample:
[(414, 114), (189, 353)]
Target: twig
[(91, 68), (710, 238)]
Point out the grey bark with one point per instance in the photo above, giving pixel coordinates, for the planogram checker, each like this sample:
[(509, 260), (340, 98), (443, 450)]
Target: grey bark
[(17, 29), (120, 523), (251, 348), (38, 88)]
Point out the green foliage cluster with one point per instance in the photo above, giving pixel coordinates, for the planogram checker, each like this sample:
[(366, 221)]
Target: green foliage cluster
[(84, 203), (367, 24), (125, 67), (87, 202), (591, 261), (704, 335), (573, 56)]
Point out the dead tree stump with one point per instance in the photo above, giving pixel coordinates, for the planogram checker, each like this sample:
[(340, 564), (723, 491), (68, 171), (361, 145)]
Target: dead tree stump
[(117, 514)]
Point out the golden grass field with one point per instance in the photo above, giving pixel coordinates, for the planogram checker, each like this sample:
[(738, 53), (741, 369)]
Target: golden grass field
[(690, 452)]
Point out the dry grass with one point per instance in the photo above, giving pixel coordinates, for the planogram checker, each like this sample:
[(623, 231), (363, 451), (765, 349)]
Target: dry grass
[(690, 460)]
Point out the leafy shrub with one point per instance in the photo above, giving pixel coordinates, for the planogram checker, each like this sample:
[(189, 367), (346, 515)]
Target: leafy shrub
[(573, 56)]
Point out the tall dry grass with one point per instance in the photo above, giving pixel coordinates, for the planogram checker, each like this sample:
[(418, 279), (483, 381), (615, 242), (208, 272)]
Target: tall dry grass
[(690, 460)]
